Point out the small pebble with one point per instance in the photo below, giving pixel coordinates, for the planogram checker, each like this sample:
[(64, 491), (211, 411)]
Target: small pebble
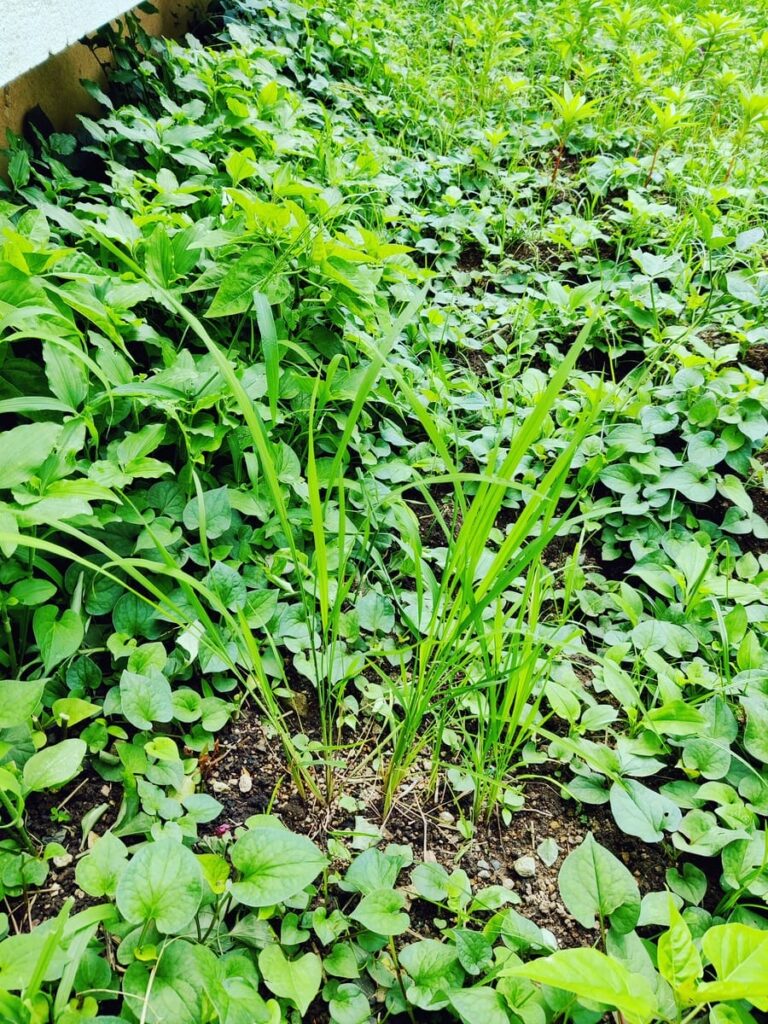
[(446, 818), (245, 782), (495, 864), (525, 867), (484, 874), (508, 883), (484, 865), (63, 860), (219, 786)]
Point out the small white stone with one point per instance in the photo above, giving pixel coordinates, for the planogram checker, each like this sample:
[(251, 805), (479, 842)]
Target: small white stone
[(245, 783), (63, 860), (525, 867), (446, 818)]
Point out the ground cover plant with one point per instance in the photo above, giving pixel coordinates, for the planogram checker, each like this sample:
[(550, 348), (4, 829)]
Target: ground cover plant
[(383, 519)]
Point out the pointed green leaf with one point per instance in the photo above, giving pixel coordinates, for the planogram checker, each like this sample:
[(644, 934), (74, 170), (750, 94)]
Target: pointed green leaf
[(678, 959), (53, 766), (590, 974), (641, 812), (296, 980), (274, 865), (593, 883)]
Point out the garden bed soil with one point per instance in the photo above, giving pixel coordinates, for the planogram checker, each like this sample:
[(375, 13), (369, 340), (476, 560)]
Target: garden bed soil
[(248, 775)]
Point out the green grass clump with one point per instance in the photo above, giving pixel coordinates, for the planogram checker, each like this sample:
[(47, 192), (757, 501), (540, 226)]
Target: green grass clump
[(396, 375)]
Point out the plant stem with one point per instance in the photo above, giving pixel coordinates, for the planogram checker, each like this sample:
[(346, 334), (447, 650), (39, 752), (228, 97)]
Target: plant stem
[(16, 822), (11, 644), (652, 168), (558, 161), (399, 973), (732, 164)]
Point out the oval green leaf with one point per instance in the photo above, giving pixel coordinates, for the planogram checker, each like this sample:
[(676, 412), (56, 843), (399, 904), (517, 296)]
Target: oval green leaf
[(162, 883), (53, 766), (274, 864)]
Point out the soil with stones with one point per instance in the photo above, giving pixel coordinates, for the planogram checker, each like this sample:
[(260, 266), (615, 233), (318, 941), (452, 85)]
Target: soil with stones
[(249, 761), (57, 818), (247, 774)]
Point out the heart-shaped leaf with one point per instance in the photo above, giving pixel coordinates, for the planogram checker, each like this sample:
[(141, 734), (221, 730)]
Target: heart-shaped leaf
[(57, 637), (381, 912), (163, 883), (594, 883), (274, 864), (98, 872), (297, 980), (146, 698)]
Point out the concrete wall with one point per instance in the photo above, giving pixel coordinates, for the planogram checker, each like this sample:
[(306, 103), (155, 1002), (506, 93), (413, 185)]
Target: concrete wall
[(35, 29), (54, 84)]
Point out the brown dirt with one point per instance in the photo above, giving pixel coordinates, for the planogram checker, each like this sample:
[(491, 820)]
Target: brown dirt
[(718, 506), (756, 357), (614, 366), (89, 790), (248, 776), (541, 255), (430, 529), (431, 823), (477, 361), (757, 545), (471, 258)]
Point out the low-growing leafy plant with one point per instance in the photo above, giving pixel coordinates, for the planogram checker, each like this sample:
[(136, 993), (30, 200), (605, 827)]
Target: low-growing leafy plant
[(330, 397)]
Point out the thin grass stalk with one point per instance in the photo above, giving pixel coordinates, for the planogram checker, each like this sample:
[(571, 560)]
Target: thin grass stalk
[(255, 681), (258, 432), (457, 617)]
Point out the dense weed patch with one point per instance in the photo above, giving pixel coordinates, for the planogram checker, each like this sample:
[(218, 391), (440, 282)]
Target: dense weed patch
[(394, 374)]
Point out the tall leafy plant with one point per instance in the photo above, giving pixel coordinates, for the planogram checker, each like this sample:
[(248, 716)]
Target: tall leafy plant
[(465, 616), (323, 600)]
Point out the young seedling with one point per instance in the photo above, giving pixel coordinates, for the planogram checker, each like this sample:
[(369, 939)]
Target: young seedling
[(570, 110), (625, 19), (714, 30), (666, 122), (754, 118)]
